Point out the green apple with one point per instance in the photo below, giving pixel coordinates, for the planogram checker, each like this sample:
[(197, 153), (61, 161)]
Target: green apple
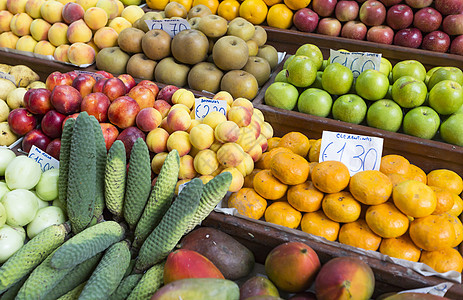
[(409, 92), (318, 81), (282, 95), (446, 97), (445, 73), (372, 85), (451, 130), (385, 114), (131, 2), (459, 111), (301, 71), (385, 67), (315, 102), (337, 79), (349, 108), (313, 52), (421, 122), (389, 93), (325, 63), (409, 68), (281, 76), (288, 60), (429, 74)]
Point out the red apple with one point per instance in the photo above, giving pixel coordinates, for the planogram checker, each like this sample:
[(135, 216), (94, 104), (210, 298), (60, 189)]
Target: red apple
[(110, 134), (128, 137), (57, 78), (84, 83), (418, 3), (346, 11), (37, 101), (151, 85), (105, 74), (354, 30), (305, 20), (380, 34), (457, 45), (54, 148), (399, 16), (123, 111), (409, 37), (324, 8), (143, 96), (163, 107), (166, 93), (98, 87), (66, 99), (148, 119), (36, 138), (73, 74), (128, 81), (329, 26), (73, 116), (453, 24), (21, 121), (390, 2), (449, 7), (436, 41), (114, 88), (52, 124), (427, 19), (96, 104), (372, 13)]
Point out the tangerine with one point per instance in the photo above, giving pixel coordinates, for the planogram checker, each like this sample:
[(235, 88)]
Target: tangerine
[(341, 207), (289, 168), (248, 203), (370, 187), (414, 198), (458, 226), (330, 176), (457, 207), (314, 151), (397, 178), (254, 11), (249, 178), (229, 9), (446, 179), (212, 4), (273, 142), (297, 4), (268, 186), (445, 200), (296, 142), (432, 233), (386, 220), (400, 247), (317, 223), (358, 234), (444, 260), (280, 16), (305, 197), (416, 173), (394, 163), (283, 214)]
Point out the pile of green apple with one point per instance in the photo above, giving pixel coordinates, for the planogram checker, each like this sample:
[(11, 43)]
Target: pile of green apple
[(25, 193), (404, 97)]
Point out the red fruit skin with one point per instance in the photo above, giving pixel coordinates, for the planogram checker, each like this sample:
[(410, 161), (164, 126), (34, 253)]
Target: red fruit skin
[(128, 137), (66, 99), (457, 45), (166, 93), (123, 111), (83, 83), (128, 81), (96, 104), (449, 7), (114, 88), (105, 74), (57, 78), (73, 116), (344, 276), (292, 266), (54, 148), (436, 41), (151, 85), (427, 19), (110, 134), (21, 121), (305, 20), (399, 16), (409, 37), (183, 263), (98, 87), (372, 13), (52, 124), (37, 101), (37, 138)]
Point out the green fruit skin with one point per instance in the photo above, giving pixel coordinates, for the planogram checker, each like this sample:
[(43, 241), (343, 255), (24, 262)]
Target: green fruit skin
[(312, 52), (199, 288), (318, 81), (427, 131), (281, 95), (451, 130), (409, 92), (446, 97), (341, 111), (372, 85), (380, 121), (149, 283), (409, 68), (445, 73), (301, 73), (315, 102), (281, 76), (337, 79)]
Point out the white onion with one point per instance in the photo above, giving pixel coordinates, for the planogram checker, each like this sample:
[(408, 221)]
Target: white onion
[(22, 173), (2, 215), (6, 156), (42, 203), (21, 206), (11, 241), (3, 189), (44, 218), (47, 187)]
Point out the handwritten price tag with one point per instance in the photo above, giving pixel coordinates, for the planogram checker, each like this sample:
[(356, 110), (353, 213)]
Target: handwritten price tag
[(96, 76), (172, 27), (8, 76), (357, 62), (357, 152), (45, 160), (204, 106)]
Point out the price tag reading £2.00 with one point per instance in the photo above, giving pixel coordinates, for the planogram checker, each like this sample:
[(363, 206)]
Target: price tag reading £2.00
[(45, 160), (357, 62), (357, 152), (205, 106), (171, 26)]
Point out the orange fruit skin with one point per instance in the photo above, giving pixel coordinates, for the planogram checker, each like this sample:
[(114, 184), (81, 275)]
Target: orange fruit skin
[(273, 143), (305, 197), (330, 176), (414, 198), (432, 233), (268, 186), (370, 187), (283, 214), (358, 234), (341, 207), (458, 226), (228, 9), (248, 180), (445, 200), (393, 163), (400, 247), (317, 223), (296, 142), (448, 259), (457, 207), (396, 178), (297, 4), (314, 151), (386, 220), (446, 179), (255, 11), (289, 168), (248, 203), (280, 16), (212, 4), (416, 173)]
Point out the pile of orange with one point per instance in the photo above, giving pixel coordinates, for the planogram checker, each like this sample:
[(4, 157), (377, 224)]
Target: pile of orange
[(399, 210)]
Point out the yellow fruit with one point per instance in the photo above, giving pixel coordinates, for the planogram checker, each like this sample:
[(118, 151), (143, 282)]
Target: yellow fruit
[(186, 3), (443, 260), (280, 16), (283, 214), (458, 226), (432, 233), (341, 207), (237, 179), (370, 187), (268, 186), (386, 220), (289, 168), (400, 247), (394, 164), (157, 4), (330, 176), (255, 11), (457, 207), (317, 223), (305, 197), (229, 9), (296, 142), (414, 198), (358, 234), (446, 179), (205, 162), (212, 4), (297, 4)]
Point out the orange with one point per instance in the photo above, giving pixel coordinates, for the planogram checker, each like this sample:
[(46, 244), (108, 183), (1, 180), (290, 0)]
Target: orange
[(330, 176), (317, 223), (268, 186), (416, 173), (393, 163), (370, 187), (456, 223), (386, 220), (212, 4), (305, 197), (296, 142), (280, 16), (414, 198), (445, 200), (314, 151), (312, 166), (400, 247), (249, 179), (248, 203), (272, 2), (157, 4), (297, 4), (341, 207), (283, 214), (443, 260), (397, 178), (229, 9), (358, 234), (186, 3), (264, 161), (432, 232), (446, 179), (255, 11), (272, 143), (289, 168), (457, 207)]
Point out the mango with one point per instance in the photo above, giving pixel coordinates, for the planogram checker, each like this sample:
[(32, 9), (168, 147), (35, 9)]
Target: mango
[(199, 288), (258, 286)]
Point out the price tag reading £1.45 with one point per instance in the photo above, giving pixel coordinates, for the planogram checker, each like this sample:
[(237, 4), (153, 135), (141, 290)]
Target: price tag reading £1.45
[(204, 106), (45, 160), (357, 152), (357, 62), (171, 26)]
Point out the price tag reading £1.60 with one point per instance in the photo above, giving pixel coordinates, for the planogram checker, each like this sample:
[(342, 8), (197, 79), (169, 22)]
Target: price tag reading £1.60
[(45, 160), (171, 26), (204, 106), (357, 62), (357, 152)]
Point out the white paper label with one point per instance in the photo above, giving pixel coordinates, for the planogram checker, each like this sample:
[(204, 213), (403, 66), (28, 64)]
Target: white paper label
[(45, 160), (8, 76), (357, 62), (171, 26), (357, 152), (204, 106), (183, 185)]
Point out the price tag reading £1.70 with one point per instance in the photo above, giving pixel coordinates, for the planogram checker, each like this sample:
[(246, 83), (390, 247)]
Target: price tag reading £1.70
[(171, 26), (45, 160), (357, 152), (204, 106), (357, 62)]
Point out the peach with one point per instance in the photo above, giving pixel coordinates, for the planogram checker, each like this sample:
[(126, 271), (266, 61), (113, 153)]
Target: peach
[(3, 4), (202, 136), (249, 163), (230, 155), (156, 140), (237, 179), (178, 119), (246, 138), (109, 6), (20, 24), (120, 8), (193, 124), (163, 107), (95, 18), (26, 43), (64, 2), (258, 118), (262, 141), (224, 95), (206, 162), (61, 53), (255, 151), (119, 24), (214, 118), (182, 106), (183, 96), (39, 29), (51, 11), (158, 161), (57, 34), (105, 37), (95, 47), (143, 96), (193, 151), (215, 146), (266, 130), (179, 140), (44, 48), (123, 111), (245, 103), (5, 19), (79, 32), (132, 13), (187, 169), (86, 4), (16, 6), (81, 54), (226, 132), (258, 113), (240, 115), (165, 126), (255, 127), (72, 12), (33, 8), (148, 119)]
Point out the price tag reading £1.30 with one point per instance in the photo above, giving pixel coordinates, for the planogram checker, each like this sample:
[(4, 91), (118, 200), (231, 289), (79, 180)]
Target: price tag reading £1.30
[(171, 26), (357, 62), (357, 152), (45, 160), (204, 106)]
